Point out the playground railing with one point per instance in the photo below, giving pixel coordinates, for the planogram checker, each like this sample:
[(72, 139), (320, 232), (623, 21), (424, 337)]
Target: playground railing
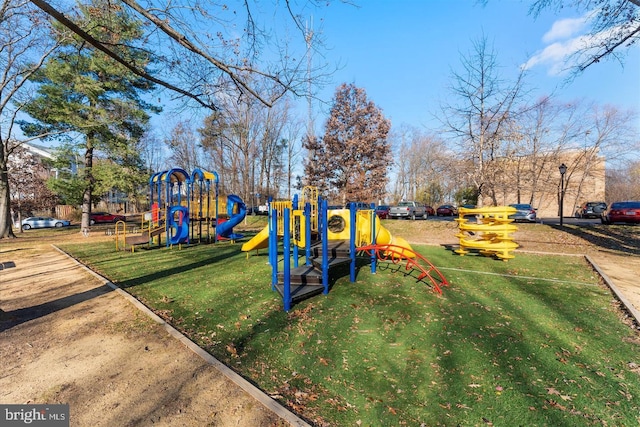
[(280, 206), (310, 195)]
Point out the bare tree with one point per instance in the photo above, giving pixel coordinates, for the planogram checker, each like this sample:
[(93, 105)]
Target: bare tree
[(424, 167), (151, 151), (25, 43), (485, 111), (622, 183), (531, 149), (292, 155), (231, 141), (205, 57), (548, 133), (27, 177), (606, 131), (246, 142), (184, 146), (272, 172)]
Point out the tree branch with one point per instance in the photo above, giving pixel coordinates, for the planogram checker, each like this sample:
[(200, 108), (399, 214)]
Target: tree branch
[(51, 11), (183, 41), (609, 50)]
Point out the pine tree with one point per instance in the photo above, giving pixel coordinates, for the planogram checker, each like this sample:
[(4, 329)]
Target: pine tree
[(83, 92)]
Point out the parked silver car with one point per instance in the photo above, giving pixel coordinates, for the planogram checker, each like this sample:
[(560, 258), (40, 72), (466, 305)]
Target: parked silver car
[(44, 222), (525, 212)]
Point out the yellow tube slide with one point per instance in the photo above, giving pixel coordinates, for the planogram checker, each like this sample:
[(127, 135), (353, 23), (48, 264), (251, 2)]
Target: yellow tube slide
[(259, 241), (383, 236)]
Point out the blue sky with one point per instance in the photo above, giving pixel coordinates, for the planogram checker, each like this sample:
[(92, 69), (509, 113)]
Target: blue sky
[(402, 53)]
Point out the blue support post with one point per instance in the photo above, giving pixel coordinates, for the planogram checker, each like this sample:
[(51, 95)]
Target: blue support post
[(352, 241), (294, 205), (307, 235), (374, 238), (286, 297), (215, 233), (168, 202), (321, 216), (273, 247), (325, 248)]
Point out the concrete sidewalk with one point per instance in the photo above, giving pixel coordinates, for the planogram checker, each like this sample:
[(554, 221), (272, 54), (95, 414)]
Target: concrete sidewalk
[(622, 275)]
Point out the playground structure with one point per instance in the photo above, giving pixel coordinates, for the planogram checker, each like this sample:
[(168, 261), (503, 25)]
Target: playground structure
[(331, 240), (491, 235), (185, 208)]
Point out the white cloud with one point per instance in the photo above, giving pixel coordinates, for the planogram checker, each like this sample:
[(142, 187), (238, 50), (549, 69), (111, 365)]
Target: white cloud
[(566, 28), (565, 38), (555, 55)]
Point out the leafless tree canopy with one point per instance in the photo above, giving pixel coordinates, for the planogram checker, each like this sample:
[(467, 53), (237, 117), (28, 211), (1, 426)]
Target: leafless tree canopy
[(27, 179), (208, 49), (481, 113), (425, 168), (26, 40), (622, 183), (250, 146)]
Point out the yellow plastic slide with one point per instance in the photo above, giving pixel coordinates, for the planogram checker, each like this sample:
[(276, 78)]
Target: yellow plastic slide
[(259, 241), (384, 237), (363, 231)]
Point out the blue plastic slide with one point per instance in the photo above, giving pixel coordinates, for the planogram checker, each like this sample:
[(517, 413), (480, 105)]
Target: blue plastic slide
[(178, 231), (225, 229)]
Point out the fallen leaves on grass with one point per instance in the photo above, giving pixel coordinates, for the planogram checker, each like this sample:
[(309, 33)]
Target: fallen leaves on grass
[(231, 348), (551, 390)]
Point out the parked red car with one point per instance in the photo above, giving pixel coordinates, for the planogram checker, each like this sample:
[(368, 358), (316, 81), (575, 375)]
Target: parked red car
[(447, 210), (97, 217), (628, 212), (382, 211)]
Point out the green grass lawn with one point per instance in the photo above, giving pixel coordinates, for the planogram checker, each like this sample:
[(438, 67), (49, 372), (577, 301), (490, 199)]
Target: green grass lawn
[(529, 342)]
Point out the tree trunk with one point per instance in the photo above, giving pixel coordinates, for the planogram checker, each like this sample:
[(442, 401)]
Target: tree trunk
[(90, 180), (6, 230)]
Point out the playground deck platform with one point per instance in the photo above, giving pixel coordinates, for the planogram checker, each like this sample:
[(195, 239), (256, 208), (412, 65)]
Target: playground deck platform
[(306, 280)]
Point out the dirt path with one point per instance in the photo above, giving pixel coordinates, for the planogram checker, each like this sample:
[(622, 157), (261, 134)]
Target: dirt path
[(69, 338)]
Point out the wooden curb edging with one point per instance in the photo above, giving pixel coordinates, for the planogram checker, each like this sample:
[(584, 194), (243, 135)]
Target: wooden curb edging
[(628, 306), (244, 384)]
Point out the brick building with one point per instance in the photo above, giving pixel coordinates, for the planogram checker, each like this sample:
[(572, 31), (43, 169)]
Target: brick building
[(538, 181)]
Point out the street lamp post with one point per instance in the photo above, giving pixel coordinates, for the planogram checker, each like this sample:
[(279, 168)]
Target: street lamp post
[(563, 170)]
